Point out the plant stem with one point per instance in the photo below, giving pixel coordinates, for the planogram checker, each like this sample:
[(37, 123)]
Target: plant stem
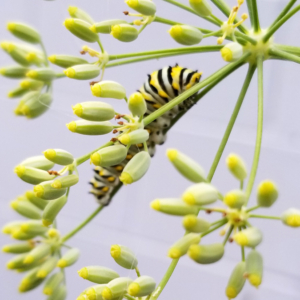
[(232, 120), (250, 10), (259, 128), (253, 208), (137, 272), (245, 37), (255, 20), (284, 55), (241, 184), (243, 253), (228, 235), (287, 48), (265, 217), (129, 297), (100, 45), (45, 53), (276, 26), (284, 11), (214, 228)]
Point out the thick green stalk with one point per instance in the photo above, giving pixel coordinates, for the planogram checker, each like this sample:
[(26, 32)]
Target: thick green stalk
[(284, 55), (284, 11), (256, 25), (228, 234), (287, 48), (259, 128), (232, 120), (265, 217), (250, 10)]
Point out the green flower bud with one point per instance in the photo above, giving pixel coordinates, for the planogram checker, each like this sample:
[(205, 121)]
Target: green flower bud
[(58, 156), (201, 7), (34, 227), (116, 288), (235, 199), (124, 32), (193, 224), (42, 74), (105, 26), (267, 193), (78, 13), (291, 217), (81, 29), (186, 35), (124, 256), (182, 246), (38, 202), (200, 194), (20, 235), (90, 128), (26, 209), (186, 166), (52, 210), (17, 92), (175, 207), (142, 286), (69, 258), (236, 166), (236, 280), (94, 292), (254, 268), (108, 89), (98, 274), (109, 156), (83, 72), (60, 293), (16, 262), (94, 111), (232, 52), (47, 192), (66, 61), (14, 71), (18, 248), (52, 283), (39, 252), (206, 254), (47, 267), (250, 237), (136, 168), (144, 7), (38, 162), (17, 53), (134, 137), (53, 233), (30, 281), (24, 32), (31, 84), (137, 104), (11, 226), (65, 182), (36, 106)]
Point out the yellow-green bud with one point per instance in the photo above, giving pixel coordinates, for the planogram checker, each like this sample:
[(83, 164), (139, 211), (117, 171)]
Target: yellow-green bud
[(201, 7), (232, 52), (34, 227), (235, 199), (11, 226), (181, 247), (206, 254), (236, 166), (250, 237), (94, 111), (186, 35), (200, 194), (254, 268), (38, 162), (134, 137), (123, 256), (47, 267), (137, 104), (30, 281), (47, 192), (267, 193), (90, 128), (53, 233), (26, 209), (14, 71), (98, 274), (16, 262), (116, 288), (193, 224), (38, 202), (186, 166), (108, 89), (66, 61), (78, 13), (291, 217), (60, 293), (124, 32), (175, 207), (142, 286), (20, 235), (65, 181), (42, 74), (59, 156), (36, 106), (236, 280), (81, 29), (18, 248), (52, 210), (24, 32), (17, 92), (144, 7), (109, 156), (83, 72), (31, 84), (37, 253), (52, 283), (105, 26), (136, 168), (69, 258), (93, 293)]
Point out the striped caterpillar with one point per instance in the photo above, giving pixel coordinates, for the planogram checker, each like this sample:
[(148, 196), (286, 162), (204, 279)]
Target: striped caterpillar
[(162, 86)]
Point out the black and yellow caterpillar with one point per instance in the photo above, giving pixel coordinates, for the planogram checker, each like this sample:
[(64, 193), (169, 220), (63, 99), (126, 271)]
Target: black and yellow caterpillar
[(162, 86)]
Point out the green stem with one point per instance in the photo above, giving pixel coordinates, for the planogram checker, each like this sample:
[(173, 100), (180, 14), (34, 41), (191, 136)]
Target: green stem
[(250, 10), (256, 25), (213, 33), (137, 272), (284, 55), (287, 48), (217, 222), (60, 75), (143, 27), (259, 128), (220, 22), (100, 45), (253, 208), (276, 26), (241, 184), (214, 228), (245, 37), (228, 235), (243, 253), (265, 217), (45, 53), (129, 297), (284, 11), (232, 120)]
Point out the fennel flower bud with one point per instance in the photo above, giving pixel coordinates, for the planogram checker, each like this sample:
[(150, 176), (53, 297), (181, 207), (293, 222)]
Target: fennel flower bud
[(17, 92), (26, 209), (14, 71), (138, 136), (59, 156), (232, 52), (47, 267), (201, 7), (34, 227), (11, 226), (93, 293), (235, 199), (186, 35), (30, 84), (98, 274), (37, 253), (254, 268), (47, 192), (142, 286), (236, 280), (236, 166), (144, 7), (53, 233), (38, 202), (42, 74), (38, 162), (124, 32), (24, 32), (137, 104), (16, 262), (206, 254), (60, 293), (267, 193), (108, 89), (83, 72), (52, 210), (20, 235), (66, 61), (78, 13), (250, 237), (18, 248), (105, 26), (109, 156), (65, 181), (123, 256), (89, 127), (193, 224), (30, 281), (116, 288), (69, 258), (52, 283), (36, 106), (291, 217)]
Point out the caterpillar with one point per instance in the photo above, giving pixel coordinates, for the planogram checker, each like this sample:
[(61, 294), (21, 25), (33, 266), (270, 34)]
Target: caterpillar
[(162, 86)]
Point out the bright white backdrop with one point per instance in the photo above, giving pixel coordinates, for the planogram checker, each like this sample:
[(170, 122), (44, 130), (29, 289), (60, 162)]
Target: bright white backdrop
[(129, 220)]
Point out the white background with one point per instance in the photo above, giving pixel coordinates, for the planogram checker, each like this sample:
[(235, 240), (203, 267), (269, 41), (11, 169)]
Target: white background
[(129, 220)]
